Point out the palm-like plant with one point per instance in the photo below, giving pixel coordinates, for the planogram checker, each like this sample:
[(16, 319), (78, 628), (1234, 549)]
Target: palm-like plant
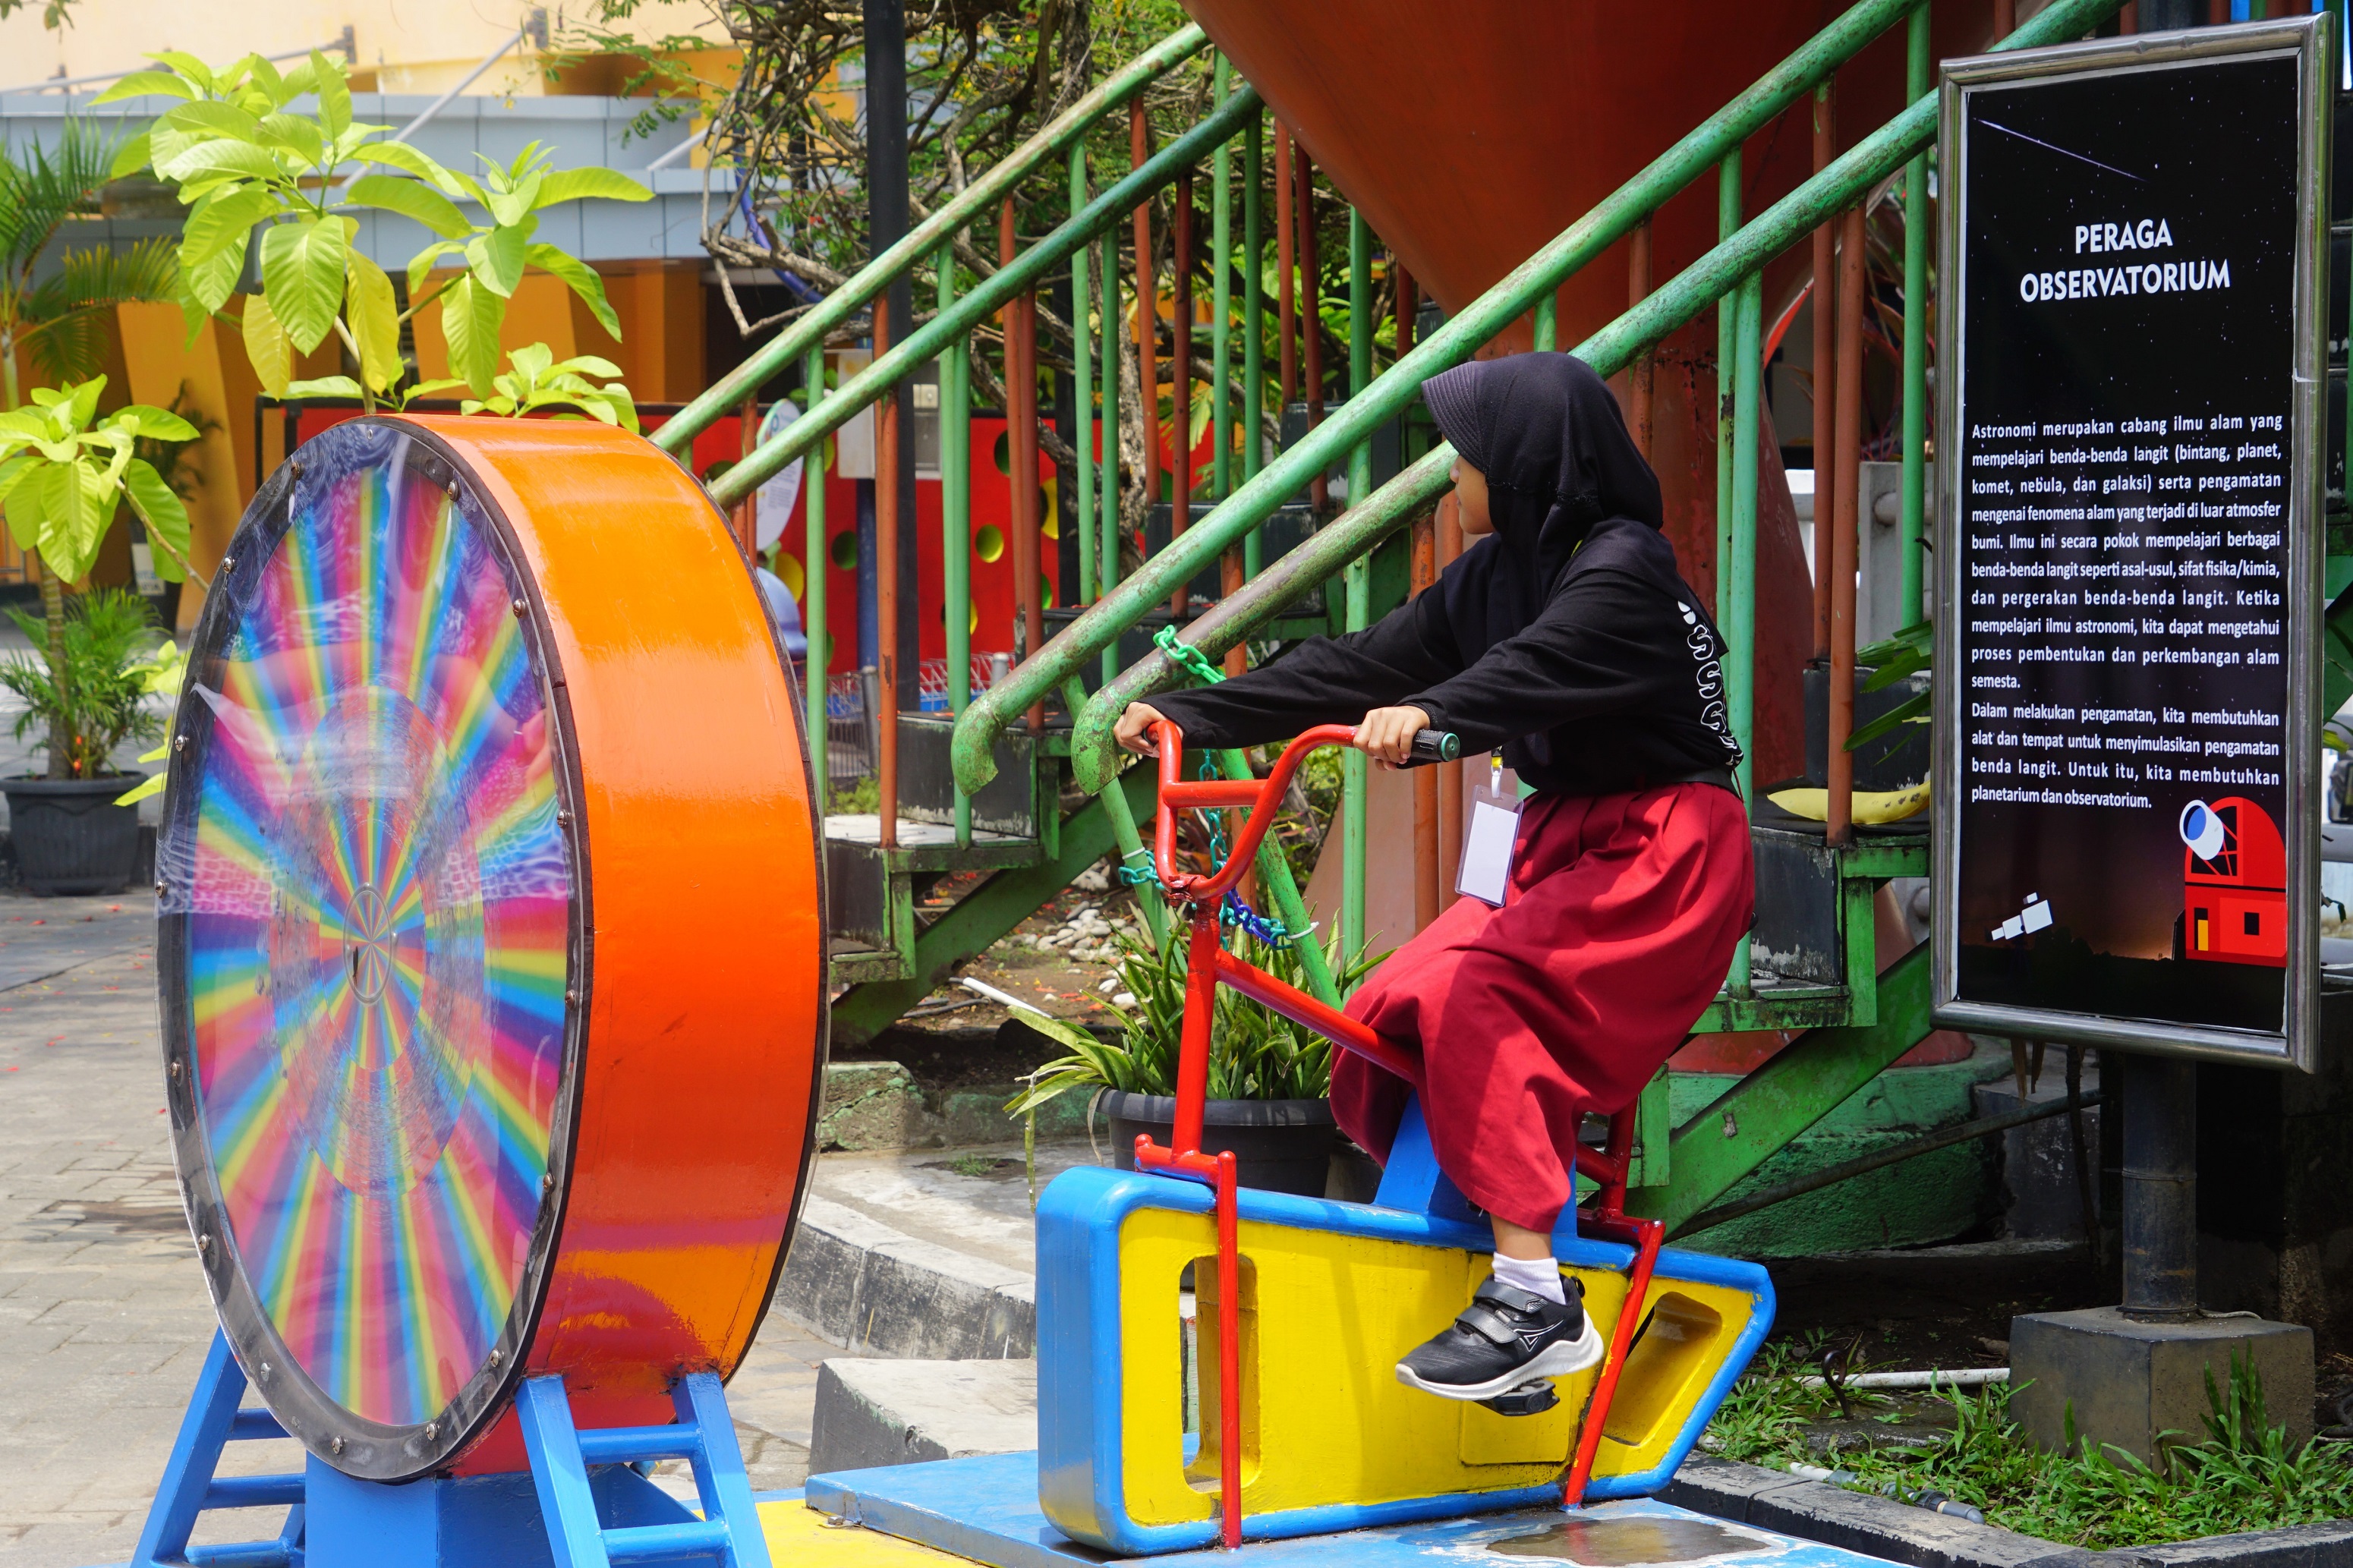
[(59, 320)]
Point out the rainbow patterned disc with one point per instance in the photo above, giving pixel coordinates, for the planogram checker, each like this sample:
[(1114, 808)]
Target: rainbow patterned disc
[(370, 918)]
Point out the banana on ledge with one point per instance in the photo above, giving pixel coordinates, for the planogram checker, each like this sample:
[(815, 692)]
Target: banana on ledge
[(1873, 807)]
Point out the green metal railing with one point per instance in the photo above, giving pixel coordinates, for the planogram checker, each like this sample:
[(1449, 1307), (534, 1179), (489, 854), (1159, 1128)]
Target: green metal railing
[(969, 310), (1730, 271)]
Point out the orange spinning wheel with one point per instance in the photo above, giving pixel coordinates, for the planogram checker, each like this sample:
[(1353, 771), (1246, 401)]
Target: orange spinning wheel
[(491, 950)]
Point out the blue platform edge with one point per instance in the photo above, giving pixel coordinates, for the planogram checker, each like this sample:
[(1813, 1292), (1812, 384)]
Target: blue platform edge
[(1080, 1486), (978, 1509)]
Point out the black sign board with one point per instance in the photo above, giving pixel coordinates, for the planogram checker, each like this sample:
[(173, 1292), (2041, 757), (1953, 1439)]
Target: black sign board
[(2127, 542)]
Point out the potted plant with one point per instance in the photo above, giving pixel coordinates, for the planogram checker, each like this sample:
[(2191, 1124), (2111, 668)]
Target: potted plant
[(1269, 1079), (64, 471)]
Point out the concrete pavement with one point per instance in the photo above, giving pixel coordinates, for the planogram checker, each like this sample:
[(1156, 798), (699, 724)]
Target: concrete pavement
[(104, 1318)]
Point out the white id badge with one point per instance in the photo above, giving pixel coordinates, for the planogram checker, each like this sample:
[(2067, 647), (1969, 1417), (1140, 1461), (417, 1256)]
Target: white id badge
[(1490, 836)]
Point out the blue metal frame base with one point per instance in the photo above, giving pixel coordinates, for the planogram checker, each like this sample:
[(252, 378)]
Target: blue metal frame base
[(586, 1502), (986, 1509)]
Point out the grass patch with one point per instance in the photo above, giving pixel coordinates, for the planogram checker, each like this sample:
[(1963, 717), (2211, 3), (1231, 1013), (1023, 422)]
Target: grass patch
[(2241, 1474)]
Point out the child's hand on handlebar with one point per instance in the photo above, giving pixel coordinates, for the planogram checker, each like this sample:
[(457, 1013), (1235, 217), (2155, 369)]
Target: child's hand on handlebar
[(1133, 729), (1387, 734)]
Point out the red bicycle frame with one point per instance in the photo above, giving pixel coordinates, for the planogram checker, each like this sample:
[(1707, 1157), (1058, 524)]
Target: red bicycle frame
[(1208, 964)]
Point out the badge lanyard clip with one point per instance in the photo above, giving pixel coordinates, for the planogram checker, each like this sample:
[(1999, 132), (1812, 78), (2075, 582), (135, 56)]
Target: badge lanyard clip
[(1490, 836)]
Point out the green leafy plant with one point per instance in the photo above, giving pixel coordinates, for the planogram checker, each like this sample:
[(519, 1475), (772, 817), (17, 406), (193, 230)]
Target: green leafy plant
[(856, 799), (56, 320), (160, 675), (536, 379), (1904, 654), (93, 691), (1254, 1053), (63, 473), (169, 457), (246, 165)]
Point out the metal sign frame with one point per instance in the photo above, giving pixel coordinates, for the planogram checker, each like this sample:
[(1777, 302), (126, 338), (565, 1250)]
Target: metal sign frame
[(2307, 38)]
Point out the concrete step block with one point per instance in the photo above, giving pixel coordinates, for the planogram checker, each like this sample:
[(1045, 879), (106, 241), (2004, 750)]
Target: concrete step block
[(858, 1283), (872, 1413)]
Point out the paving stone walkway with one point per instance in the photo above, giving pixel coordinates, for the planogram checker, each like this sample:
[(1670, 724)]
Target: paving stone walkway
[(104, 1318)]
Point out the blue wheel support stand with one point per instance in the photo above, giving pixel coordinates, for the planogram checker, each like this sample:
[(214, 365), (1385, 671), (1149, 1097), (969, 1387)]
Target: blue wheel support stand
[(215, 1419), (729, 1530), (586, 1504)]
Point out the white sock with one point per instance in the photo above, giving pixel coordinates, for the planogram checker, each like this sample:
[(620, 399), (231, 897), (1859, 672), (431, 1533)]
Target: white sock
[(1536, 1275)]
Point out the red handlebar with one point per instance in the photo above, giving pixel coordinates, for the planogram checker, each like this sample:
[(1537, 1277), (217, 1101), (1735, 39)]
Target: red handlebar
[(1258, 796)]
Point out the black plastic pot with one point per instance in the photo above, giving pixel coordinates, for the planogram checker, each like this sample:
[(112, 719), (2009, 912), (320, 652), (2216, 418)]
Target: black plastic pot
[(71, 837), (1279, 1145)]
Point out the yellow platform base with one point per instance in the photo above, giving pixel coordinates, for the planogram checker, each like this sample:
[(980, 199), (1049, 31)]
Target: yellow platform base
[(799, 1537)]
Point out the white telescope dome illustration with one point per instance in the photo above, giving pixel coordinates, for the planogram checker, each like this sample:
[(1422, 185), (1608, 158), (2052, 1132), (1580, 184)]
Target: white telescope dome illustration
[(2201, 829)]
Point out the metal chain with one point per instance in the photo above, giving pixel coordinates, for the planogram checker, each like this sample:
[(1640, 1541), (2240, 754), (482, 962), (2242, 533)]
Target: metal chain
[(1190, 659), (1233, 914)]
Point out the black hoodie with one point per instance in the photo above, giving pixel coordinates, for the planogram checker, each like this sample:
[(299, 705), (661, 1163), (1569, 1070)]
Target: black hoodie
[(1567, 636)]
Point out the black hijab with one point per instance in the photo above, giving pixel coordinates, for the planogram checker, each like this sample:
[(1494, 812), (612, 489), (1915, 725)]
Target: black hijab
[(1550, 438), (1567, 637)]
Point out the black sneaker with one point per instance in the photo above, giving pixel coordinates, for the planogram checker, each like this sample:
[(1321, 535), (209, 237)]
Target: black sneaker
[(1505, 1338)]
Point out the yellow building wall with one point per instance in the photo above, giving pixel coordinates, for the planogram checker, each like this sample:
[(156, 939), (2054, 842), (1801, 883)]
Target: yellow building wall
[(407, 45), (660, 304), (159, 360)]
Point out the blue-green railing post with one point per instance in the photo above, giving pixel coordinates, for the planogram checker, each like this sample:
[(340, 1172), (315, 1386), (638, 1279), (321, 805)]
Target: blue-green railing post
[(1727, 224), (1254, 334), (1082, 390), (1355, 774), (1222, 305), (818, 561), (1547, 326), (1107, 505), (1919, 73), (1738, 566), (955, 518)]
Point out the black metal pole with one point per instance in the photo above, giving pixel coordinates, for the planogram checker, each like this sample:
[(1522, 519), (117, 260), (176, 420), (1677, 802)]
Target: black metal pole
[(2160, 1187), (886, 223)]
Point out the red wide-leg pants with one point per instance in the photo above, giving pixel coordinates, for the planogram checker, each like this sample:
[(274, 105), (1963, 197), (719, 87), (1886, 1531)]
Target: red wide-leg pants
[(1619, 924)]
